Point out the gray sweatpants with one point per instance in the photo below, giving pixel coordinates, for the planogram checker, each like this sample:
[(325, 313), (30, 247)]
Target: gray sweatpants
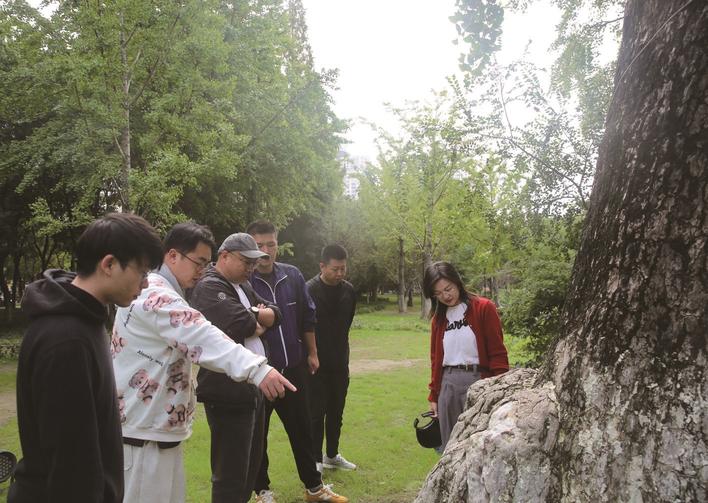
[(451, 399)]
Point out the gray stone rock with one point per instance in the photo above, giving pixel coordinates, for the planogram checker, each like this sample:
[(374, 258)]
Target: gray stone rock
[(501, 445)]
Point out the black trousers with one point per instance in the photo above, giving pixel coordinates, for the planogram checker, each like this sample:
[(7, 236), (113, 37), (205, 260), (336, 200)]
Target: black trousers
[(294, 411), (328, 394), (236, 450)]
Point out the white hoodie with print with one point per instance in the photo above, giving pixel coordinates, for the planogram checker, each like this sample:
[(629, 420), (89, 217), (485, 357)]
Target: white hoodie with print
[(154, 344)]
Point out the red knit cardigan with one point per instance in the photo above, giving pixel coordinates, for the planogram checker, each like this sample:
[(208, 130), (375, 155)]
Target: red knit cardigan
[(484, 321)]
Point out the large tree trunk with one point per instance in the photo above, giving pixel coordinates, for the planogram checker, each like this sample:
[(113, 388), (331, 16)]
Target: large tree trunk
[(401, 277), (427, 261), (124, 142), (626, 386)]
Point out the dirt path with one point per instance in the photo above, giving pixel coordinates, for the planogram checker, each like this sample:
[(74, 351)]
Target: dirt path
[(367, 366)]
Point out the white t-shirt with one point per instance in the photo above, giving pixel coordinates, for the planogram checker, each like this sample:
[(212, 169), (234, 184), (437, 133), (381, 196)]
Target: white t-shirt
[(254, 343), (459, 342)]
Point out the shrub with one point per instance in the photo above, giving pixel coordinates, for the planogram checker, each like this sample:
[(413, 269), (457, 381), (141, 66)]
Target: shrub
[(9, 348), (532, 307)]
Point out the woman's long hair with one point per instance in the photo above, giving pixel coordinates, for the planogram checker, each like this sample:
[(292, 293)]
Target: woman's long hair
[(434, 273)]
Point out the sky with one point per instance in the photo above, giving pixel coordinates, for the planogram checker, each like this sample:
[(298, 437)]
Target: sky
[(390, 51)]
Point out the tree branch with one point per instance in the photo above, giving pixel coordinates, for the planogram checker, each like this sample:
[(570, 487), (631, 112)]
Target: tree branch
[(158, 60)]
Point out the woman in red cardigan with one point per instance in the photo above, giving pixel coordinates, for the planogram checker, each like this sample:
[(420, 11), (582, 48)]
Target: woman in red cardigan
[(466, 342)]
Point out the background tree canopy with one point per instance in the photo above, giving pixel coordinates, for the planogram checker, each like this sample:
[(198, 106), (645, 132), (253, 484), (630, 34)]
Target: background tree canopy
[(206, 110), (213, 111), (495, 172)]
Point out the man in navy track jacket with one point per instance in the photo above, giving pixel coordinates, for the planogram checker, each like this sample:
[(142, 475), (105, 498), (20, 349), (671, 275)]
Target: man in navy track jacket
[(293, 351)]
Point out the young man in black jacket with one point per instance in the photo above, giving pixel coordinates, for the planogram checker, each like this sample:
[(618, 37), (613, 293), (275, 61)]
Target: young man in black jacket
[(335, 300), (67, 408), (234, 410)]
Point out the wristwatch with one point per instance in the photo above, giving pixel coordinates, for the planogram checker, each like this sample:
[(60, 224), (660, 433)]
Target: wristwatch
[(255, 310)]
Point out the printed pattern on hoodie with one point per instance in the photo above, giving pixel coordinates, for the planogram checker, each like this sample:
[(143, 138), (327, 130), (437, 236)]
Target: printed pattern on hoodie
[(154, 343)]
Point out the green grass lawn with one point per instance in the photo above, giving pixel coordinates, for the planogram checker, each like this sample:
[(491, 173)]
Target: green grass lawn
[(390, 374)]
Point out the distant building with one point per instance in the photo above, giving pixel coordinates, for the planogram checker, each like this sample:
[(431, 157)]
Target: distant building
[(351, 187), (352, 166)]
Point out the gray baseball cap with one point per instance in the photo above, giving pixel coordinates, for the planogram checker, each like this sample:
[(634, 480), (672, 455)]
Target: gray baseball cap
[(242, 243)]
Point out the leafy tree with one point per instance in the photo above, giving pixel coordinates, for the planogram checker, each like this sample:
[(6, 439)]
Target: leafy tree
[(492, 204), (204, 110), (286, 165), (585, 27), (27, 105), (558, 148), (348, 224), (412, 182), (619, 412), (552, 156), (532, 303), (428, 191)]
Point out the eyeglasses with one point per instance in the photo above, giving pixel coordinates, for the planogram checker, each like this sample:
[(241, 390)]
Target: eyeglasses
[(143, 273), (447, 291), (269, 245), (247, 262), (200, 265)]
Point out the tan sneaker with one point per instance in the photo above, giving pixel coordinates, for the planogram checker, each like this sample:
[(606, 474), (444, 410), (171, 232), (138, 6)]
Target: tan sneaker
[(325, 493), (265, 496)]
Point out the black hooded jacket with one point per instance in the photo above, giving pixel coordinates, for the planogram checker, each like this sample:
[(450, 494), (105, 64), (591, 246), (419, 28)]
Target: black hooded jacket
[(216, 298), (66, 399)]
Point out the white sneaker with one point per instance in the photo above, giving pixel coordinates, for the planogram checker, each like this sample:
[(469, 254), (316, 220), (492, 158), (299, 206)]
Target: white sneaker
[(318, 466), (337, 462), (265, 496)]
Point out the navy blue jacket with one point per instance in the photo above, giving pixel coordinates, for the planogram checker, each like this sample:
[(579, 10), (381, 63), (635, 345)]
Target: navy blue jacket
[(285, 344)]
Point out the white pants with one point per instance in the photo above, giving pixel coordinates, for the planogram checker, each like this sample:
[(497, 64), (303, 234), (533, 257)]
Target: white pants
[(153, 475)]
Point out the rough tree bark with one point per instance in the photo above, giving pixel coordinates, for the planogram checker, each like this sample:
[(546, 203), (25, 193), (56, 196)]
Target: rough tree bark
[(620, 411), (124, 141), (401, 277)]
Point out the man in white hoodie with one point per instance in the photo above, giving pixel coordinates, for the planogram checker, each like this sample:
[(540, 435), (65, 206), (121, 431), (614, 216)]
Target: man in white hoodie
[(155, 342)]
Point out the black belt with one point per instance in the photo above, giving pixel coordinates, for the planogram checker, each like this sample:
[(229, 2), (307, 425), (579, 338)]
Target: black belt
[(473, 367), (139, 442)]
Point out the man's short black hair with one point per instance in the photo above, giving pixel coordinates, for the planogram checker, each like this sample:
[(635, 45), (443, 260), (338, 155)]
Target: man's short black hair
[(185, 237), (261, 227), (333, 252), (125, 236)]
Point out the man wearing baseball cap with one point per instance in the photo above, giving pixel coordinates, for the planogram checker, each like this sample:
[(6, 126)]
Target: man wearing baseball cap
[(234, 410)]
